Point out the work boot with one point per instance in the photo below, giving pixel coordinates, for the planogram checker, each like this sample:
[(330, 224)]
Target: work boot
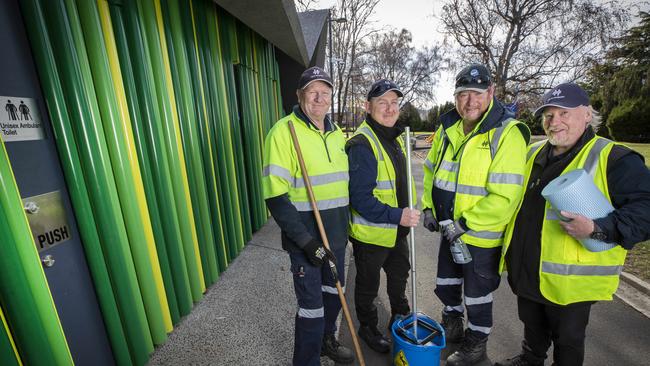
[(519, 360), (374, 339), (453, 325), (525, 358), (472, 351), (335, 351)]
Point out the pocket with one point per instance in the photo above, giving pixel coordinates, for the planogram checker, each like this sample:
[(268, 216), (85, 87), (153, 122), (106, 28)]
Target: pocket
[(486, 261)]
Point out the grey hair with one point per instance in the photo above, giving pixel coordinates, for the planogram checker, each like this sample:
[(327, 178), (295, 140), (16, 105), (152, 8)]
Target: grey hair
[(596, 119)]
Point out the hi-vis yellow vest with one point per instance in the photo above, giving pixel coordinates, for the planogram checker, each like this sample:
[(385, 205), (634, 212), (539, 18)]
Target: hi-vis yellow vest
[(325, 159), (381, 234), (486, 178), (569, 273)]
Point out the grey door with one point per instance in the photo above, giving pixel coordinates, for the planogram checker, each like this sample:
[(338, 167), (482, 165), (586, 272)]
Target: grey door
[(39, 176)]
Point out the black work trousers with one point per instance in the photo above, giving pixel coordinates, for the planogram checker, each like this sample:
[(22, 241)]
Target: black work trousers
[(565, 326), (369, 260)]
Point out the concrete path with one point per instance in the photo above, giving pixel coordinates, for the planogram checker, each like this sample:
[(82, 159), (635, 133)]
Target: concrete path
[(246, 318)]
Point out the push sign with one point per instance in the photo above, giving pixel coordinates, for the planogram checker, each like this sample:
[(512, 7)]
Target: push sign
[(47, 219)]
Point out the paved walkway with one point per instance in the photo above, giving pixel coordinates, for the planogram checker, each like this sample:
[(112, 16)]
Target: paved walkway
[(246, 318)]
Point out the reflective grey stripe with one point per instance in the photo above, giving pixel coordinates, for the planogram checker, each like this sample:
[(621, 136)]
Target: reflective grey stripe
[(594, 155), (477, 328), (449, 281), (298, 182), (506, 178), (277, 171), (573, 269), (330, 290), (458, 308), (478, 300), (311, 313), (385, 184), (444, 185), (449, 166), (322, 204), (485, 234), (317, 180), (534, 147), (471, 190), (374, 139), (552, 214), (497, 136), (461, 188), (359, 220), (428, 164)]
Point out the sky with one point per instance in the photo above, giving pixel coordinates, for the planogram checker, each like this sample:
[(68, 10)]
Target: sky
[(419, 17)]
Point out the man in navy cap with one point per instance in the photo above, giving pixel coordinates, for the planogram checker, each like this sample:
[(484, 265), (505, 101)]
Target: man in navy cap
[(322, 144), (380, 215), (555, 278), (473, 179)]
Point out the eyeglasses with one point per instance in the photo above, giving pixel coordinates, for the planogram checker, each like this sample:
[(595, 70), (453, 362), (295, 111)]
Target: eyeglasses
[(467, 80)]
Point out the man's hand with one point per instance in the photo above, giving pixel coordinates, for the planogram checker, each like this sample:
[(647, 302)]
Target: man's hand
[(578, 226), (452, 230), (317, 253), (410, 217), (430, 222)]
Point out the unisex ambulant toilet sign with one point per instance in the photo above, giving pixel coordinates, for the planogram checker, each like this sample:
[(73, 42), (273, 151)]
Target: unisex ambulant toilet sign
[(20, 120)]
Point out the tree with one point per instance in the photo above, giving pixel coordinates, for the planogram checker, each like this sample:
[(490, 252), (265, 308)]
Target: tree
[(390, 55), (410, 116), (433, 116), (347, 38), (619, 84), (532, 44)]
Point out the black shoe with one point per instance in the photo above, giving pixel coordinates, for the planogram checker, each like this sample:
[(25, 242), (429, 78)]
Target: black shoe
[(374, 339), (335, 351), (454, 328), (519, 360), (472, 351)]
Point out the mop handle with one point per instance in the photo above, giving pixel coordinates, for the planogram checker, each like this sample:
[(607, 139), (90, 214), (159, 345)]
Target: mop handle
[(326, 243), (414, 297)]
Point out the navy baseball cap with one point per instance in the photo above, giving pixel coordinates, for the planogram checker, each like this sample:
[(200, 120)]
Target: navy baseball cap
[(474, 77), (383, 86), (566, 95), (314, 74)]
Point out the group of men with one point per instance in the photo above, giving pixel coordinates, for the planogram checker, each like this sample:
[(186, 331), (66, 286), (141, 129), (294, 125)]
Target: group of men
[(483, 180)]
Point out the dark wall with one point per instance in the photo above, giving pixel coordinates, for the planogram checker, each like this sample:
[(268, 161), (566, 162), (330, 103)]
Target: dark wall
[(290, 71)]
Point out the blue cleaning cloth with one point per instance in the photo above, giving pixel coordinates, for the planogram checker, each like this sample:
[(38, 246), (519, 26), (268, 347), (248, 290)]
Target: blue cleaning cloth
[(575, 191)]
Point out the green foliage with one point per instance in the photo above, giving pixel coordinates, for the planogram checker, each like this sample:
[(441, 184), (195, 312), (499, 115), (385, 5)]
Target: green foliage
[(409, 116), (535, 124), (620, 85), (433, 116)]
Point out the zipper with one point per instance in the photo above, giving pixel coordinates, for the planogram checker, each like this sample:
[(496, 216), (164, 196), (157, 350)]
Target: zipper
[(327, 134)]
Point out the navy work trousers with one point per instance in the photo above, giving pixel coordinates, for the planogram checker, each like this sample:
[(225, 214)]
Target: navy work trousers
[(475, 280), (318, 305)]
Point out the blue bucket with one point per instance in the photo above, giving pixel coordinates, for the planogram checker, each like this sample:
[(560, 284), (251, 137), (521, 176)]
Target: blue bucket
[(407, 352)]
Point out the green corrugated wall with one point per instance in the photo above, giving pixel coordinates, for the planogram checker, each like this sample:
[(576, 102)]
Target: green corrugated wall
[(159, 109)]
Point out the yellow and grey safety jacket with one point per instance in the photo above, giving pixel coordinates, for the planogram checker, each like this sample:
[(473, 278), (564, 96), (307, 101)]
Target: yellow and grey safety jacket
[(568, 272), (327, 166), (361, 229), (477, 178)]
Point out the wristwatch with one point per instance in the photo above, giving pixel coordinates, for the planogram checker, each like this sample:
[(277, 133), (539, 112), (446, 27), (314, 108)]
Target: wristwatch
[(598, 234)]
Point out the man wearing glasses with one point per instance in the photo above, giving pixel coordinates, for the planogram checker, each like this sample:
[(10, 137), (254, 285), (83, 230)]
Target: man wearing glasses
[(473, 181), (380, 215)]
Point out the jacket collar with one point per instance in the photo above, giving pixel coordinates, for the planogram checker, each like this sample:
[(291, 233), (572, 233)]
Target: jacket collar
[(492, 118), (386, 133), (302, 116)]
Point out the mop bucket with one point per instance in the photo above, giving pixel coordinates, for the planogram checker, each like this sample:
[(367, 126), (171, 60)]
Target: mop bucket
[(423, 351)]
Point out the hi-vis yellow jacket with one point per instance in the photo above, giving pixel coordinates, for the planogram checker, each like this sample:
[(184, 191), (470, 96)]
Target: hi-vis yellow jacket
[(568, 272), (479, 176), (365, 231)]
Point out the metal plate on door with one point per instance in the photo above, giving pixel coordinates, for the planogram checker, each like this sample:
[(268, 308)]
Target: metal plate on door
[(47, 219), (19, 119)]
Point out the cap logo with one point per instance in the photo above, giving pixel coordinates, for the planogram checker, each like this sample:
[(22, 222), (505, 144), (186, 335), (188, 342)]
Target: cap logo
[(316, 72), (474, 72), (387, 82), (556, 92)]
